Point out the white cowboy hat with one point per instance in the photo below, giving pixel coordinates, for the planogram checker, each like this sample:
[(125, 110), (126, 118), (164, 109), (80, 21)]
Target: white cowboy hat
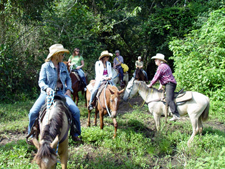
[(56, 48), (159, 56), (105, 53)]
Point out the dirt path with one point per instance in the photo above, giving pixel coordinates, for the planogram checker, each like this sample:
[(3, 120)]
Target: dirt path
[(123, 108)]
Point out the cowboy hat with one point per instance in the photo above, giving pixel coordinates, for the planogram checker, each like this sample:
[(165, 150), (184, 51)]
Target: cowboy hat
[(159, 56), (56, 48), (105, 53)]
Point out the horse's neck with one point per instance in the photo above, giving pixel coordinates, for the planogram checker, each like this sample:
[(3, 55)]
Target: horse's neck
[(149, 94)]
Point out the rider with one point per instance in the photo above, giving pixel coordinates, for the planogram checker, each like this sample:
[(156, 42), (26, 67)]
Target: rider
[(139, 64), (76, 62), (117, 64), (102, 73), (166, 78), (54, 75)]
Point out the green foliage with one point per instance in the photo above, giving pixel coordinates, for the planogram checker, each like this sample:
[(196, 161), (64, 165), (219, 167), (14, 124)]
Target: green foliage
[(134, 27), (199, 58)]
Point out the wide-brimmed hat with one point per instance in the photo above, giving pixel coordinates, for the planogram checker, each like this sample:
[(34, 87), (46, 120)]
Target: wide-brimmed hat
[(56, 48), (159, 56), (105, 53)]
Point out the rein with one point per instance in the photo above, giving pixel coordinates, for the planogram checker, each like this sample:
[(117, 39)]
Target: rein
[(105, 99)]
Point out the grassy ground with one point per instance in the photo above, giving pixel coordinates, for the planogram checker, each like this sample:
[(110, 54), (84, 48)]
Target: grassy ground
[(137, 144)]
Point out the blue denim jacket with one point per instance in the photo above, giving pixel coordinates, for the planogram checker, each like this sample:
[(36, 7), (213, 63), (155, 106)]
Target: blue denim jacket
[(48, 77)]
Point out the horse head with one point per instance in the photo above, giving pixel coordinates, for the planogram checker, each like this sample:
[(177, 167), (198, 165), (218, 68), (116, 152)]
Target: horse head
[(67, 65), (131, 89), (114, 100), (46, 157), (139, 75)]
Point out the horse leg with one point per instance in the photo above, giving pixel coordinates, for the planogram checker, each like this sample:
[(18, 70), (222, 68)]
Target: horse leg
[(77, 99), (96, 114), (194, 123), (115, 126), (63, 153), (200, 126), (157, 120), (101, 119), (89, 114)]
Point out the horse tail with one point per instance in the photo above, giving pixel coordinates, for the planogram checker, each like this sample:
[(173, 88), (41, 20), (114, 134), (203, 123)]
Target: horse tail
[(205, 114)]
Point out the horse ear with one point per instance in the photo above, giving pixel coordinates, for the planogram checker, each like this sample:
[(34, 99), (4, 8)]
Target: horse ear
[(121, 91), (36, 143), (111, 91), (55, 142)]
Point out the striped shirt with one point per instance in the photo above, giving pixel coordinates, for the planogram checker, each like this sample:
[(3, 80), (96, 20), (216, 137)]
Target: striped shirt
[(164, 75)]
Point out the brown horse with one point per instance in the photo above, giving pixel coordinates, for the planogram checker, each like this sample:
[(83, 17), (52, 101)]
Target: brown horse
[(139, 75), (53, 131), (76, 85), (108, 99)]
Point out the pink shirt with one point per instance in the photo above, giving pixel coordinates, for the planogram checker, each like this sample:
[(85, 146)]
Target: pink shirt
[(163, 74), (105, 71)]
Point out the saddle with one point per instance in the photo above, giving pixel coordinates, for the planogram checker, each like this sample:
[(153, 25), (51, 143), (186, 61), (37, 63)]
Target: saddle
[(35, 130), (180, 97), (100, 89)]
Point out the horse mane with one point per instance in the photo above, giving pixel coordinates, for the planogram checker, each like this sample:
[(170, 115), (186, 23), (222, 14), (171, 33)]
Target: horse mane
[(145, 87), (49, 133)]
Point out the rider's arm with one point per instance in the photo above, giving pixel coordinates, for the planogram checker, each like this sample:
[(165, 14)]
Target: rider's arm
[(43, 78)]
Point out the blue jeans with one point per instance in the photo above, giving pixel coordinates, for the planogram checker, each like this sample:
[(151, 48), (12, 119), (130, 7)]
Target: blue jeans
[(120, 69), (95, 89), (81, 74), (34, 111)]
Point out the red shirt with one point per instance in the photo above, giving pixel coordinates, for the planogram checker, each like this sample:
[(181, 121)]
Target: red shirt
[(163, 74)]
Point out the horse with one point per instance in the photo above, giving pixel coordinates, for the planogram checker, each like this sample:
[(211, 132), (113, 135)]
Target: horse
[(116, 78), (139, 75), (197, 107), (76, 85), (107, 103), (53, 135)]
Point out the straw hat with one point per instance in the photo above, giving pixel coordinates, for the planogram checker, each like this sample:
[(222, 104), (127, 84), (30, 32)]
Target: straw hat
[(56, 48), (159, 56), (105, 53)]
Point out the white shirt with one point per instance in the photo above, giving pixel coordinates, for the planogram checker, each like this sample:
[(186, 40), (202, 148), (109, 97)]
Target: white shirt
[(99, 68)]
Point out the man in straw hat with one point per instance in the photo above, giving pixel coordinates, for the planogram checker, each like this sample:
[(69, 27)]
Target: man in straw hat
[(102, 73), (54, 76), (166, 78)]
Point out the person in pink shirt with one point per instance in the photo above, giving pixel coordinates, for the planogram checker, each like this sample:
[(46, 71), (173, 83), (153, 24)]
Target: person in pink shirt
[(165, 77)]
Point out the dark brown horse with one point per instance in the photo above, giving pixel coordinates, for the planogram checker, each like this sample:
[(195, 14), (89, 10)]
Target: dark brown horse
[(53, 131), (76, 85), (139, 75), (108, 99)]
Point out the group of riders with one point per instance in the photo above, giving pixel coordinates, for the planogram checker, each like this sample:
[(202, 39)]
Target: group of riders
[(54, 76)]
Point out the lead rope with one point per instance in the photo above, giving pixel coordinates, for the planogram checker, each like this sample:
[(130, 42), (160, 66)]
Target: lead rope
[(49, 103), (105, 100)]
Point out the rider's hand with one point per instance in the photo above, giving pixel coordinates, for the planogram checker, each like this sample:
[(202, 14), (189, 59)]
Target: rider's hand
[(160, 87), (78, 67), (149, 86), (48, 91), (68, 93)]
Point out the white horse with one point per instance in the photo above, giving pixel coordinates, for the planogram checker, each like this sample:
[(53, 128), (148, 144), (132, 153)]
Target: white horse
[(197, 107), (115, 76)]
